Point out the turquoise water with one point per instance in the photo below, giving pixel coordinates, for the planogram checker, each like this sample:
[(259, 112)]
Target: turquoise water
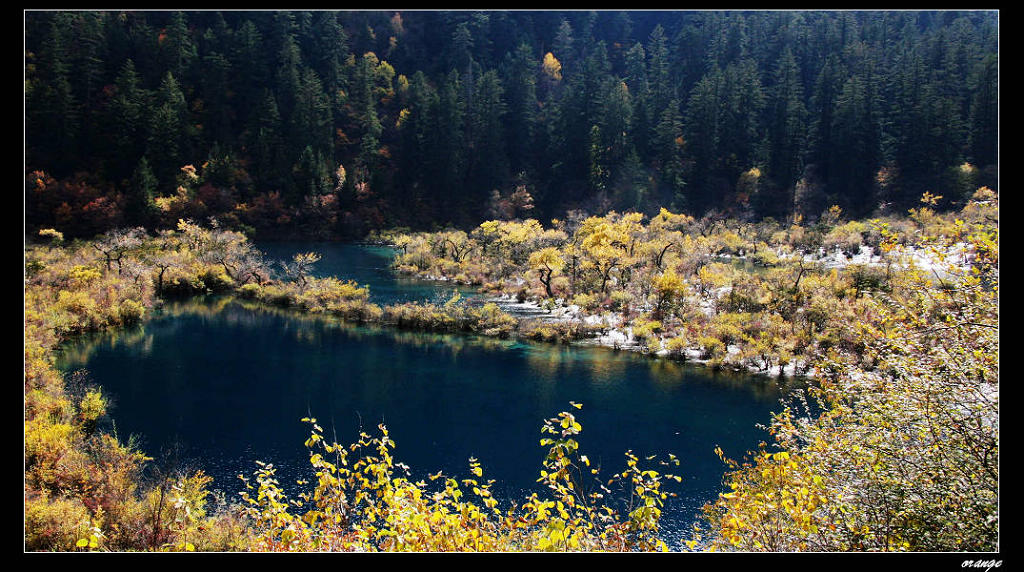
[(226, 383)]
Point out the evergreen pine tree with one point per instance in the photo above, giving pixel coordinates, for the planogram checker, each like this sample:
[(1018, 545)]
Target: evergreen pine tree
[(140, 208)]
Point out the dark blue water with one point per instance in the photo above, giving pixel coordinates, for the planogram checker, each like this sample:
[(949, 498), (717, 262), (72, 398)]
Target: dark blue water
[(228, 382)]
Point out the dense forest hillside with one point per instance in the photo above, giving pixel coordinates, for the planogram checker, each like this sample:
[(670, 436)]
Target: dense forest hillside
[(332, 124)]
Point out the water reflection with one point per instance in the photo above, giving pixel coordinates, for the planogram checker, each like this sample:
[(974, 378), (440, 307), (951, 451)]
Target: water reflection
[(545, 362)]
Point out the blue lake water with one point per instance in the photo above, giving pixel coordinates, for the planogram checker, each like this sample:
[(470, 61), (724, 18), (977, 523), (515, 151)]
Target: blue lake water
[(228, 382)]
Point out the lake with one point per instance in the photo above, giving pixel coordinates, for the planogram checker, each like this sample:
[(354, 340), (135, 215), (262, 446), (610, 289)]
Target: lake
[(227, 383)]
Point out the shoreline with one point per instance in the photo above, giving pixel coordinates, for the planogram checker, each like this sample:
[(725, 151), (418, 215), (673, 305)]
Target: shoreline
[(621, 339)]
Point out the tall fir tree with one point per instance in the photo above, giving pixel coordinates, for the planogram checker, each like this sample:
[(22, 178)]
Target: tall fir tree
[(88, 60), (984, 113), (671, 146), (168, 146), (488, 163), (786, 134), (249, 71), (177, 48), (217, 115), (521, 94), (52, 112), (140, 208), (266, 141), (126, 120), (312, 119), (702, 132), (644, 116), (856, 158)]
